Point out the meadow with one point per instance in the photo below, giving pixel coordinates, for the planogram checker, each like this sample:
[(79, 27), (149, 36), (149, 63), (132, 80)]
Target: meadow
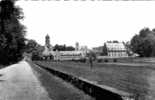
[(136, 76)]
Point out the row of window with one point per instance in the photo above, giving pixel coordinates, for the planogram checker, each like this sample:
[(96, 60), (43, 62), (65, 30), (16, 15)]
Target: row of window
[(116, 49), (117, 54)]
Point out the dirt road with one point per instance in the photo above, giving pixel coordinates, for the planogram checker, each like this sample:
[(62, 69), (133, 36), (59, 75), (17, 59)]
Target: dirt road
[(18, 82)]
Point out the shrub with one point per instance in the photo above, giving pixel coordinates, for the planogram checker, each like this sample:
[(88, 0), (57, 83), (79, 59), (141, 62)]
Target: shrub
[(106, 60), (115, 60), (99, 60)]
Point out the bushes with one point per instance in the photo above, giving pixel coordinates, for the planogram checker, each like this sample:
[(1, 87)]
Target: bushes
[(99, 60), (80, 60), (105, 60), (114, 60)]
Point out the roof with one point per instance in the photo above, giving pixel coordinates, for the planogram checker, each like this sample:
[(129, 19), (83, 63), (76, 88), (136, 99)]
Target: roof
[(115, 46)]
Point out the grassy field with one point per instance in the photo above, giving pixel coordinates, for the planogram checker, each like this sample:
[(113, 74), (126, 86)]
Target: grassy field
[(137, 60), (136, 78)]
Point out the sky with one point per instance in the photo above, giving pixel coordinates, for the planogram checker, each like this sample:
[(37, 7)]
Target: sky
[(88, 22)]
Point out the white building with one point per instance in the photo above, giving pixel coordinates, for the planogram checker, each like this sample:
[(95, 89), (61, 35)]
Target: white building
[(111, 49), (115, 49)]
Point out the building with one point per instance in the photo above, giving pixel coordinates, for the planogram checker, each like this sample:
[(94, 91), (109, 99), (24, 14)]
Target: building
[(48, 49), (98, 50), (115, 49), (111, 49), (68, 55), (48, 53), (77, 46), (82, 48)]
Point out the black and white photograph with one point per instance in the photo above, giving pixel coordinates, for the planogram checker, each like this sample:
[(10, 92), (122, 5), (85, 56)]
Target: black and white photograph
[(77, 50)]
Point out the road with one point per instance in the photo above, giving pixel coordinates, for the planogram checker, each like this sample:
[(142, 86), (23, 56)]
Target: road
[(17, 82), (25, 81)]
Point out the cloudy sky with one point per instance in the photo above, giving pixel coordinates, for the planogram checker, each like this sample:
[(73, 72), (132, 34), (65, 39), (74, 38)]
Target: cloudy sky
[(90, 23)]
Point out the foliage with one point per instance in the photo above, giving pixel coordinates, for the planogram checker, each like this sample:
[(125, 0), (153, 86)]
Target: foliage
[(114, 41), (105, 51), (63, 48), (144, 43), (34, 48), (128, 48), (92, 55), (12, 41)]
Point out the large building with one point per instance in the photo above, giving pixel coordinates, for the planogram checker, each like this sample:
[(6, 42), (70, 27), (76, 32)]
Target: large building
[(48, 49), (116, 49), (112, 49), (48, 53)]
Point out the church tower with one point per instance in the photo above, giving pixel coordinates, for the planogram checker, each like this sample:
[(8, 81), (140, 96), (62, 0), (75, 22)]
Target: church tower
[(77, 46), (47, 42), (48, 49)]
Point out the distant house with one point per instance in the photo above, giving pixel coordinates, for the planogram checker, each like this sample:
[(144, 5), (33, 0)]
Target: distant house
[(111, 49), (115, 49)]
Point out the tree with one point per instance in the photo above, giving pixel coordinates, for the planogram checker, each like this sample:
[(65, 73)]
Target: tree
[(128, 48), (12, 41), (63, 48), (34, 48), (70, 48), (115, 41), (144, 43), (105, 51), (144, 32), (31, 46)]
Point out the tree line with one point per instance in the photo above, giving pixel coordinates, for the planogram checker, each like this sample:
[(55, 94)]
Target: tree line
[(143, 43), (12, 32)]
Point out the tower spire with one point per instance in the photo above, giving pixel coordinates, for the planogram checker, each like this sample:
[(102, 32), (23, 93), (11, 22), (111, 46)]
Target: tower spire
[(47, 40)]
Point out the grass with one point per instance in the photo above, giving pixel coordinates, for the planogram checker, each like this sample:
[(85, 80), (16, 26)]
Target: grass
[(130, 78), (137, 60), (57, 88)]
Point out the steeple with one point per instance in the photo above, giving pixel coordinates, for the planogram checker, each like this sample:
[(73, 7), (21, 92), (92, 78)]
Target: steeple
[(47, 43), (77, 46), (47, 40)]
